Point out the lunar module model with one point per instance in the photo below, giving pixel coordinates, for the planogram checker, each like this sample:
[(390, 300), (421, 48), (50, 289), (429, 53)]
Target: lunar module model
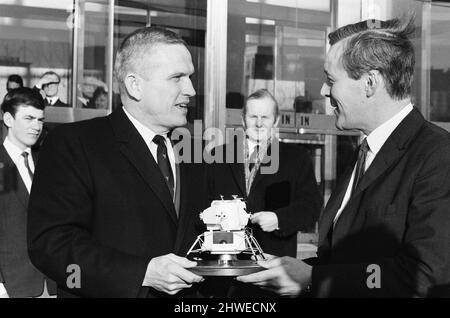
[(228, 247)]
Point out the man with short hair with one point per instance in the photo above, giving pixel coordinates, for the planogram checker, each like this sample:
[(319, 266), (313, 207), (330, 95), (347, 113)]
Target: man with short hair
[(109, 196), (14, 81), (23, 115), (283, 200), (385, 229), (49, 85)]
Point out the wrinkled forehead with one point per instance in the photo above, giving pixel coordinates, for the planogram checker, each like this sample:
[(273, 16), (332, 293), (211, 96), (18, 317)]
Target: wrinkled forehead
[(260, 106), (29, 110)]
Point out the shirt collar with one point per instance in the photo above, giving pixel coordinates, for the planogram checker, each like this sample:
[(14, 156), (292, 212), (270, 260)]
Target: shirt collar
[(378, 137), (143, 130), (53, 99), (251, 145), (14, 151)]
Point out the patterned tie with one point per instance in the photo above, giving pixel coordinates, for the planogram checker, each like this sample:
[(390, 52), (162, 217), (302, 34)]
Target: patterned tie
[(361, 164), (254, 157), (27, 164), (164, 163)]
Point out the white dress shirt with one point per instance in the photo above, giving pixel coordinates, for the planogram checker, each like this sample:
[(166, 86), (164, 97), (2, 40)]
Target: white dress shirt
[(52, 100), (251, 146), (3, 293), (375, 140), (15, 153), (148, 136)]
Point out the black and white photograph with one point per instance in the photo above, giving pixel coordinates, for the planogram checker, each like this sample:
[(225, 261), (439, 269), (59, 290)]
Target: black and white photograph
[(224, 156)]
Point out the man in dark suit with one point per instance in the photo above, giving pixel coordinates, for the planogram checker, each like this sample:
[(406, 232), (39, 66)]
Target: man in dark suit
[(110, 207), (23, 115), (282, 201), (49, 85), (384, 231)]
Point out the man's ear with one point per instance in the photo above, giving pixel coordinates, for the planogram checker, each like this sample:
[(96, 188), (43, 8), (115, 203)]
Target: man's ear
[(8, 119), (243, 121), (133, 84), (373, 81)]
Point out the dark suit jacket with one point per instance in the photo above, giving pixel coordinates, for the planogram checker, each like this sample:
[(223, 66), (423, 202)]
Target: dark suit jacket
[(291, 193), (100, 201), (21, 278), (398, 219)]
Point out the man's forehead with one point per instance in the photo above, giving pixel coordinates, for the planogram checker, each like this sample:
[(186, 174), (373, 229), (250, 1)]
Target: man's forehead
[(260, 105), (29, 110), (334, 54)]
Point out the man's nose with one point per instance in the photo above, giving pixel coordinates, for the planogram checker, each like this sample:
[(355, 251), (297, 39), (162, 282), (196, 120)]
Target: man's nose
[(37, 124), (325, 90), (188, 88), (259, 122)]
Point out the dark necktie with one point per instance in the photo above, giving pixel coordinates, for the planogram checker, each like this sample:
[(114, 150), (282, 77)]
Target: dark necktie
[(27, 164), (164, 163), (360, 164), (253, 158), (49, 102)]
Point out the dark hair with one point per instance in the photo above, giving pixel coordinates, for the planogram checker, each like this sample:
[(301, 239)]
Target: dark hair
[(22, 96), (135, 48), (16, 79), (260, 94), (383, 46), (98, 92)]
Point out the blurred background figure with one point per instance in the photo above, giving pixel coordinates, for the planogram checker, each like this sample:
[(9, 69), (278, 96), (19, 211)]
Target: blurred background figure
[(86, 91), (14, 81), (100, 98), (48, 85)]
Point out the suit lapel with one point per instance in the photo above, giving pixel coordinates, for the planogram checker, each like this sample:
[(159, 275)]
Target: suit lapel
[(390, 153), (19, 187), (335, 201), (392, 150), (136, 151), (183, 214)]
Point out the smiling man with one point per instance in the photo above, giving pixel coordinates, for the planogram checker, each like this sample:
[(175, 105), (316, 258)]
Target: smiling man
[(109, 196), (23, 115), (49, 86), (282, 202), (384, 231)]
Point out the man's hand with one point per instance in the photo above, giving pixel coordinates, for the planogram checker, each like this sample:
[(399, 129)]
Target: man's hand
[(286, 276), (168, 274), (268, 221), (47, 79)]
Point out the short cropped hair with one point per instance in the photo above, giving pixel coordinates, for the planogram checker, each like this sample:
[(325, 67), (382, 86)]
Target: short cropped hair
[(383, 46), (22, 96), (260, 94), (16, 79), (136, 47)]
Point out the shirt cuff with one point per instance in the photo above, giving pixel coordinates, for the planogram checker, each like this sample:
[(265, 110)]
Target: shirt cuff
[(3, 291)]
